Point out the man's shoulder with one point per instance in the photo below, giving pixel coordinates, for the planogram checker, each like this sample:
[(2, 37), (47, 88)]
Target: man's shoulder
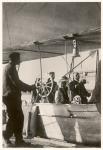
[(55, 82), (60, 89), (8, 68), (72, 82)]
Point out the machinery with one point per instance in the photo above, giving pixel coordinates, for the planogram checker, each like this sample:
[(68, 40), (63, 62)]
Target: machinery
[(44, 86)]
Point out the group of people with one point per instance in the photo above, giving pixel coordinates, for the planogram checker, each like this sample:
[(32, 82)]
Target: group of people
[(66, 92), (12, 87)]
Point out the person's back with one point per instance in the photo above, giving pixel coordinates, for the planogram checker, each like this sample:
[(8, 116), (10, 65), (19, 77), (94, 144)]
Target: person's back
[(12, 87), (9, 86)]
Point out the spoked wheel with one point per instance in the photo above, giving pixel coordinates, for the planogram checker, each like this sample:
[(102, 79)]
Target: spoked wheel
[(44, 87)]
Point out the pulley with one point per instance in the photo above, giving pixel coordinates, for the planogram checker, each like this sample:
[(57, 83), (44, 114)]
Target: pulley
[(75, 49)]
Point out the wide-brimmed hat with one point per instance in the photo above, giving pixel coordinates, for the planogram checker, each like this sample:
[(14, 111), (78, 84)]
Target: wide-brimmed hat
[(63, 79), (83, 81), (51, 73)]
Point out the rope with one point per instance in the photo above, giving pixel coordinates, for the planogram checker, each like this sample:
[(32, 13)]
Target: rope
[(41, 71), (81, 69), (66, 55), (71, 66), (40, 63), (80, 63), (97, 61)]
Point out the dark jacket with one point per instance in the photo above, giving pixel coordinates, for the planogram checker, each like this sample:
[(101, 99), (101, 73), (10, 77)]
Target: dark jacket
[(73, 88), (62, 96), (82, 92), (51, 97), (11, 82)]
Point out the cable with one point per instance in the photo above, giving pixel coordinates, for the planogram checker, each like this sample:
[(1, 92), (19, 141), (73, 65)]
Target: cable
[(66, 55), (40, 63), (64, 59), (97, 62), (80, 62)]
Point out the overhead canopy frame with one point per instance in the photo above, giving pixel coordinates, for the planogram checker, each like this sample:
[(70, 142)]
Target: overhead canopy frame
[(55, 47), (29, 22)]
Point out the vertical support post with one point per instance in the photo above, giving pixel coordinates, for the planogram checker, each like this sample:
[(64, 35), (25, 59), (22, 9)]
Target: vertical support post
[(73, 65), (66, 58), (37, 43), (97, 61), (40, 63)]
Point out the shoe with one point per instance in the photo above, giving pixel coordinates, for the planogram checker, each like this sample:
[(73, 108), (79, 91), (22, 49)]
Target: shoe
[(7, 143), (22, 143)]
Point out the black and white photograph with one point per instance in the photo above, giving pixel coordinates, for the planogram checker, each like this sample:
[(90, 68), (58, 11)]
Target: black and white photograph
[(51, 74)]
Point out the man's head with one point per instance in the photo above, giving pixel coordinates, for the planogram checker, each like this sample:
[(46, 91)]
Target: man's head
[(83, 81), (14, 58), (77, 76), (64, 81), (52, 74)]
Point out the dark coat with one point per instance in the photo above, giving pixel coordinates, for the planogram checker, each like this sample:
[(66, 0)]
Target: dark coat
[(12, 85), (62, 96), (73, 88), (51, 97), (82, 92)]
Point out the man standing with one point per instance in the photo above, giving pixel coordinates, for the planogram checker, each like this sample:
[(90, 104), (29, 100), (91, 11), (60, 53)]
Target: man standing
[(82, 91), (51, 97), (61, 96), (12, 87)]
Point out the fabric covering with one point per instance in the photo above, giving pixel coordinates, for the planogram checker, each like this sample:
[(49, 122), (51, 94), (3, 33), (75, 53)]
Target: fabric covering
[(25, 23)]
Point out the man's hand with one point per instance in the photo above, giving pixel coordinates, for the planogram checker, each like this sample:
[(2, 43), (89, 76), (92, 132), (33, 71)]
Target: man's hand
[(93, 99), (89, 94), (33, 87)]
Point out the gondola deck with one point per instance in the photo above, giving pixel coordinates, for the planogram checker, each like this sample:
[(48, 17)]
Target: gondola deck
[(51, 121)]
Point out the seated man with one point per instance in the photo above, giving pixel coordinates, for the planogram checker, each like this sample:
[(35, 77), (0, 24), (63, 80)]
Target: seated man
[(62, 93), (73, 86)]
